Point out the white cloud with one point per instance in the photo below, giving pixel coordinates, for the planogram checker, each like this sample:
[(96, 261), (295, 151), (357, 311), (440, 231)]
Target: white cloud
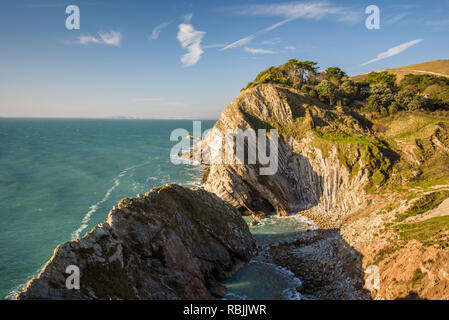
[(190, 39), (112, 38), (290, 48), (309, 10), (157, 30), (393, 51), (277, 25), (290, 12), (239, 43), (88, 39), (216, 45), (271, 42), (396, 19), (259, 51)]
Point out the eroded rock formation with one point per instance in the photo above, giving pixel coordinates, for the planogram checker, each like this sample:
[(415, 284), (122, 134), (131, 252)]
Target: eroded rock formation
[(321, 179), (171, 243)]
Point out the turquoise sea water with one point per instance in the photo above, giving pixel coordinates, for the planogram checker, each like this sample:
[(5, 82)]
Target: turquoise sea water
[(60, 177), (55, 173), (266, 281)]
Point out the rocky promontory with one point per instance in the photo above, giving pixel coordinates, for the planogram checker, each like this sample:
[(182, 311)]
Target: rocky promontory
[(171, 243)]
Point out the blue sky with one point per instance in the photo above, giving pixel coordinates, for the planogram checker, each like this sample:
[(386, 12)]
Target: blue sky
[(181, 59)]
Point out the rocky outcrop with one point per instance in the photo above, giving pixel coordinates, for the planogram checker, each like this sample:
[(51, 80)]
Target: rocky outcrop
[(328, 267), (316, 176), (171, 243)]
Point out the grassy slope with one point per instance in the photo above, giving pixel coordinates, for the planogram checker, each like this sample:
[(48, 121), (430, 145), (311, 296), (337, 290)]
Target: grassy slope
[(419, 184), (441, 67)]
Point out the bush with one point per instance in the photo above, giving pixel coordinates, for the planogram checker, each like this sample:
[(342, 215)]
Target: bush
[(328, 92), (381, 77), (382, 96), (393, 108)]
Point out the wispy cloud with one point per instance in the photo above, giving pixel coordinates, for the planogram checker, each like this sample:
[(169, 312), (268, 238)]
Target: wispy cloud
[(277, 25), (240, 42), (59, 5), (112, 38), (396, 19), (270, 42), (310, 10), (190, 39), (47, 5), (216, 45), (438, 23), (290, 12), (290, 48), (393, 51), (157, 30), (259, 51)]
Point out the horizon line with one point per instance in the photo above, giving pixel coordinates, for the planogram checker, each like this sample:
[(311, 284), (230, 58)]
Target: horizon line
[(101, 118)]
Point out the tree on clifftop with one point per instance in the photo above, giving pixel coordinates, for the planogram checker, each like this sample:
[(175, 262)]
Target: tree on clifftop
[(335, 73)]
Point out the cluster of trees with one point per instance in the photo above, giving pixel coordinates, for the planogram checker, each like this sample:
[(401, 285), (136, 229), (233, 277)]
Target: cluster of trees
[(386, 97), (377, 93), (293, 73)]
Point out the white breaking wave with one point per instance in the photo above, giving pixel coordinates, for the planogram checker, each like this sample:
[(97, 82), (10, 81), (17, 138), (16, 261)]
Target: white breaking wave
[(85, 222), (14, 292)]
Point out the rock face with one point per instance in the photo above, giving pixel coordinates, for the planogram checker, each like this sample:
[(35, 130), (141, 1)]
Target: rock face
[(323, 180), (172, 243)]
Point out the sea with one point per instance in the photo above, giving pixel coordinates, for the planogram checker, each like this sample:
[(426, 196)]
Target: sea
[(60, 177)]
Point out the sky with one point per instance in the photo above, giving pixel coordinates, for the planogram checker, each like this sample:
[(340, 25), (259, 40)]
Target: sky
[(189, 59)]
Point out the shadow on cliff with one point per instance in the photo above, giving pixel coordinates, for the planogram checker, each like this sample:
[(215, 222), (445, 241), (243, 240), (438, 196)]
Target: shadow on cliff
[(294, 187), (412, 295), (327, 265)]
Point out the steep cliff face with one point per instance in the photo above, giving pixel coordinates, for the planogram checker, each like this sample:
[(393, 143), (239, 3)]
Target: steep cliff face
[(327, 157), (382, 185), (171, 243)]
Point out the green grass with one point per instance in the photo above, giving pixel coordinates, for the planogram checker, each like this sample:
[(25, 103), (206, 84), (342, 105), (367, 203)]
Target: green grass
[(343, 137), (418, 275), (429, 232), (426, 203), (384, 253)]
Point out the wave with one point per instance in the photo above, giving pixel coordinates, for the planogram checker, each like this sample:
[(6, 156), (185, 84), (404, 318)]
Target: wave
[(85, 222), (14, 292)]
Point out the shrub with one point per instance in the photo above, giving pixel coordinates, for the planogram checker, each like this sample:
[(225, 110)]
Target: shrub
[(381, 77)]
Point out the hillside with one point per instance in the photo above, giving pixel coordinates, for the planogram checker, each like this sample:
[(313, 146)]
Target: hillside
[(436, 68), (378, 186)]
